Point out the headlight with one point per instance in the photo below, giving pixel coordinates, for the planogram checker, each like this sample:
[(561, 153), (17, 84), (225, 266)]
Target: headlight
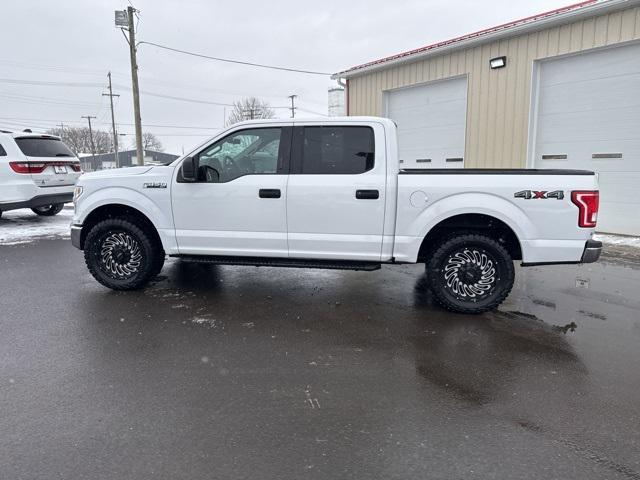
[(76, 193)]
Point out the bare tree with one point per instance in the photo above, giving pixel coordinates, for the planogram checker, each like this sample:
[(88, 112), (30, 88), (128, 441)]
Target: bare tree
[(150, 142), (79, 141), (249, 109)]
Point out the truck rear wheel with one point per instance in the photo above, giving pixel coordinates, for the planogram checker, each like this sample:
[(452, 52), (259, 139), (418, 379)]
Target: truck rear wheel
[(121, 255), (470, 274)]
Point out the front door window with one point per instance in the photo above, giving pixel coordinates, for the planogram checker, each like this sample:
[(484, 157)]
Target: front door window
[(246, 152)]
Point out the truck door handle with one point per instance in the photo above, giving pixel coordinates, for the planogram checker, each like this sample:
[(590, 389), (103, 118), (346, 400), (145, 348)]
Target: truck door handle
[(269, 193), (367, 194)]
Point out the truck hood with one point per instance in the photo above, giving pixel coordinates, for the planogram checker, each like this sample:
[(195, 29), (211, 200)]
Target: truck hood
[(117, 172)]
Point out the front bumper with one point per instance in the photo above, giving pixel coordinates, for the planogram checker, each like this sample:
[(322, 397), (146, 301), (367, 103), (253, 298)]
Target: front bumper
[(76, 236), (592, 251), (39, 201)]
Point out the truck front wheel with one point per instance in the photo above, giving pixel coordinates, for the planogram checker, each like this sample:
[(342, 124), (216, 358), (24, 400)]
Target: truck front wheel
[(121, 255), (470, 274)]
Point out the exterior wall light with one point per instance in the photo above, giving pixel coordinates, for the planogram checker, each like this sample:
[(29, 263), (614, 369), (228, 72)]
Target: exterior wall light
[(498, 62)]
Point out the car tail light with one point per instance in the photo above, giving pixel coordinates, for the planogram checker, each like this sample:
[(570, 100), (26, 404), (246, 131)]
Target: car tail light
[(38, 167), (587, 203), (27, 167)]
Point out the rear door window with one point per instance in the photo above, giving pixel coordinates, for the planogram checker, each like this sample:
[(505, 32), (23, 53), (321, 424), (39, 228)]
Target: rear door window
[(337, 150), (3, 153), (43, 147)]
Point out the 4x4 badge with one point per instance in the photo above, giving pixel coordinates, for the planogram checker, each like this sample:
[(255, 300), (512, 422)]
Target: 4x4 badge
[(534, 194), (154, 185)]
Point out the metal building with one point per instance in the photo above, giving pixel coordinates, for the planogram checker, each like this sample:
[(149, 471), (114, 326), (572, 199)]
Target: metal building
[(556, 90)]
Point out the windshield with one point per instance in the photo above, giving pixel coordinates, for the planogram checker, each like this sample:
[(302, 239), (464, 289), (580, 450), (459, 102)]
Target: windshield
[(43, 147)]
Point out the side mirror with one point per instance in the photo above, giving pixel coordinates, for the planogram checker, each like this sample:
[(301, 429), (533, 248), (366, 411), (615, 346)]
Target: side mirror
[(190, 169)]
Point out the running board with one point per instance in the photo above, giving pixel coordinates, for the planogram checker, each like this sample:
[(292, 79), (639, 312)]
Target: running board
[(281, 262)]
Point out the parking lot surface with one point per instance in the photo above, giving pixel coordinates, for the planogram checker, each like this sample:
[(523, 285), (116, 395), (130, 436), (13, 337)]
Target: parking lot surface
[(243, 372)]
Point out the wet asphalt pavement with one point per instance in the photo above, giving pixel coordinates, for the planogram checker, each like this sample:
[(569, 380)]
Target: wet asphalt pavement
[(240, 372)]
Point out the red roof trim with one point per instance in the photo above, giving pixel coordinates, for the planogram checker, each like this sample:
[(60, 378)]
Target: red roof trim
[(479, 33)]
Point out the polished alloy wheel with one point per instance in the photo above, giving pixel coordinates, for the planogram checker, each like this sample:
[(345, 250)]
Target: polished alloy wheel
[(470, 274), (120, 255)]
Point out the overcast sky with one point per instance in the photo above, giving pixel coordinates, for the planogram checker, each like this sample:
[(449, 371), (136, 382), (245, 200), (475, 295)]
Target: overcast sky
[(70, 42)]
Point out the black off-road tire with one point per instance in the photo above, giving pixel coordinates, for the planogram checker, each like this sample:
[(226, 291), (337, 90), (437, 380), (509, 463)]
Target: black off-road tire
[(158, 263), (470, 273), (121, 255), (48, 210)]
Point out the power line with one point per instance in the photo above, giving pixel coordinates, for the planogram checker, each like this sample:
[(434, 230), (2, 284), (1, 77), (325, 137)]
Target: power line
[(238, 62), (21, 126), (16, 81), (54, 68), (149, 80), (45, 120), (312, 112), (182, 99), (45, 100), (100, 85)]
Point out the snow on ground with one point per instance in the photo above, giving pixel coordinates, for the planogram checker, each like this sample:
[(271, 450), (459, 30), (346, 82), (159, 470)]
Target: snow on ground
[(622, 240), (23, 226)]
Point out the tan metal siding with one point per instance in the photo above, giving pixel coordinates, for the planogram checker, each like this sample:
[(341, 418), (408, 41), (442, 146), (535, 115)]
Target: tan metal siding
[(497, 101)]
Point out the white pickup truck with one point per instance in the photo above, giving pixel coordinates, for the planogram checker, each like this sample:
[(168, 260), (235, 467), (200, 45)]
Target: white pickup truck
[(331, 194)]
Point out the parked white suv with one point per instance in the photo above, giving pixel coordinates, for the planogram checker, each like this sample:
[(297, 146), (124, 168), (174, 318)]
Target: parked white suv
[(37, 172)]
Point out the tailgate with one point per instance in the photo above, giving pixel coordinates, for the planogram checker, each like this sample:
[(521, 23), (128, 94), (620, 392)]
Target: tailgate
[(49, 161)]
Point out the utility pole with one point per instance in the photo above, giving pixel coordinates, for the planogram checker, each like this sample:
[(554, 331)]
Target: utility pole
[(61, 125), (293, 105), (134, 85), (93, 148), (113, 120), (248, 113)]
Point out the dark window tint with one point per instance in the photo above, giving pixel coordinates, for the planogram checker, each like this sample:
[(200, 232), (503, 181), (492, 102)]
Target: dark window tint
[(2, 152), (337, 150), (43, 147)]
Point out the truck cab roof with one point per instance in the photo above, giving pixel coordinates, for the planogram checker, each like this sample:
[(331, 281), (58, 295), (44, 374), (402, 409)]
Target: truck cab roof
[(324, 120)]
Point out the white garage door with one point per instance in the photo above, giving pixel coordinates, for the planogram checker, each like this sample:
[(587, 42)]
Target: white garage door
[(431, 122), (589, 118)]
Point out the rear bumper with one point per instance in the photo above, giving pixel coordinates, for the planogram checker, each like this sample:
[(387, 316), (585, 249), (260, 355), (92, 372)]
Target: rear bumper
[(38, 201), (76, 236), (592, 251)]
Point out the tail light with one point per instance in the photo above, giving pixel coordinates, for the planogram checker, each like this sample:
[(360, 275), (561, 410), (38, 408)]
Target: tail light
[(37, 167), (587, 203), (27, 167)]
